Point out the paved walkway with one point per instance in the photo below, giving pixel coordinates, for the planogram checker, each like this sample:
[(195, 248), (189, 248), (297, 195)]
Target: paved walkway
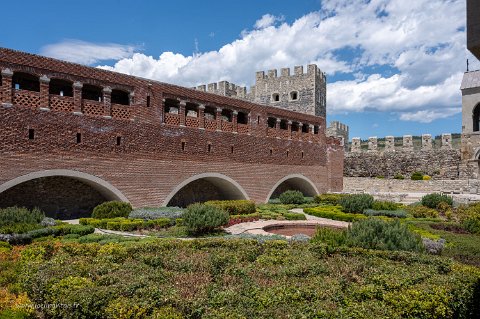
[(256, 227)]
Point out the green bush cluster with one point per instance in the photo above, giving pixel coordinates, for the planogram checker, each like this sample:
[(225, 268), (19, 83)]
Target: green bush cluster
[(201, 218), (433, 200), (416, 176), (54, 231), (420, 211), (238, 278), (20, 215), (328, 199), (112, 209), (126, 224), (356, 203), (384, 205), (470, 217), (234, 207), (333, 212), (399, 213), (291, 197), (398, 176), (149, 213)]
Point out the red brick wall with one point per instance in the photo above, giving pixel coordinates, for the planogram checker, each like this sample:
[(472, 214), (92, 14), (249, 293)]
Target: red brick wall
[(150, 162)]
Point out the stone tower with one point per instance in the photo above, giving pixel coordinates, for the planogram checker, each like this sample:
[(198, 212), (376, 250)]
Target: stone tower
[(337, 129), (301, 91)]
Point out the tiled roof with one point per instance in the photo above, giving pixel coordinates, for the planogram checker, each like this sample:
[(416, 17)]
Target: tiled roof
[(470, 80)]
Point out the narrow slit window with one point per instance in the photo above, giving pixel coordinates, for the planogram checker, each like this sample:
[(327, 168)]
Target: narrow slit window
[(287, 153), (183, 146), (302, 154), (231, 149), (79, 138), (31, 134), (209, 148), (119, 140), (148, 100), (258, 119), (271, 152)]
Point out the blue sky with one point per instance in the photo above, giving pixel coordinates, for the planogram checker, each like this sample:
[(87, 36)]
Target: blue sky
[(394, 67)]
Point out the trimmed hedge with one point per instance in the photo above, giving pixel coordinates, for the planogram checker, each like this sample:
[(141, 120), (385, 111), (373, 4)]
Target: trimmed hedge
[(112, 209), (291, 197), (434, 199), (356, 203), (333, 212), (329, 199), (384, 205), (124, 224), (234, 207), (399, 213)]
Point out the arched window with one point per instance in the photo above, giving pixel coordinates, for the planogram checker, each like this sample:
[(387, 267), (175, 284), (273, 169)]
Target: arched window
[(294, 95), (25, 81), (60, 87), (275, 97), (476, 118), (92, 92), (120, 97)]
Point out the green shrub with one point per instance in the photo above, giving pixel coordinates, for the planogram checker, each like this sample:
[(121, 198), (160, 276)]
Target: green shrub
[(331, 236), (112, 209), (470, 217), (200, 218), (19, 228), (329, 199), (398, 176), (16, 215), (374, 233), (294, 216), (149, 213), (384, 205), (333, 212), (399, 213), (432, 200), (234, 207), (356, 203), (416, 176), (420, 211), (291, 197)]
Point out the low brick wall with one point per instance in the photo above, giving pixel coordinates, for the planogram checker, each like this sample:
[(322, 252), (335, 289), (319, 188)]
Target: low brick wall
[(377, 185)]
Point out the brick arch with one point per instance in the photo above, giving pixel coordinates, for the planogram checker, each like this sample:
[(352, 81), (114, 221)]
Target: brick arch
[(299, 182), (232, 188), (109, 191)]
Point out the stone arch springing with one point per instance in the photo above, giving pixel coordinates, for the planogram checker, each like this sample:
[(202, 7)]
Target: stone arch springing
[(476, 118), (77, 194), (293, 182), (203, 187)]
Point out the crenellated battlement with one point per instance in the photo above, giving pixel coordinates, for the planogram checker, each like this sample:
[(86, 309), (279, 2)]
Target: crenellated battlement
[(407, 144)]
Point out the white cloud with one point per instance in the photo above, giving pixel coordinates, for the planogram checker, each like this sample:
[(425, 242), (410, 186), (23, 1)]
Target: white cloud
[(267, 20), (408, 57), (86, 52)]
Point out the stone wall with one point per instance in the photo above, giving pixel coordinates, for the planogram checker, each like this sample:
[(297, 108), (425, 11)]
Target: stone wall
[(377, 185)]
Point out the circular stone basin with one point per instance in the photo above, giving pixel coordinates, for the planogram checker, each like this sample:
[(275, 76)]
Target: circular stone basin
[(292, 229)]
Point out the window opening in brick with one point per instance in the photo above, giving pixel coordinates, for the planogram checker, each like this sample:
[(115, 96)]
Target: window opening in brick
[(305, 128), (295, 127), (287, 153), (31, 134), (315, 129), (25, 81), (209, 113), (120, 97), (119, 140), (231, 149), (91, 92), (183, 146), (148, 100), (172, 106), (271, 122), (227, 115), (242, 118), (276, 97), (79, 138), (60, 87), (258, 119), (302, 154), (191, 109), (209, 148), (283, 125), (271, 152)]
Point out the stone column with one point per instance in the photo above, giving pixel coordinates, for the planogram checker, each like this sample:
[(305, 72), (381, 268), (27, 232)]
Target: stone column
[(107, 102), (7, 87), (408, 143), (289, 129), (77, 98), (277, 128), (356, 145), (250, 126), (372, 144), (44, 91), (311, 129), (218, 116), (131, 98), (446, 141), (182, 112), (389, 143), (426, 142), (201, 116), (234, 121)]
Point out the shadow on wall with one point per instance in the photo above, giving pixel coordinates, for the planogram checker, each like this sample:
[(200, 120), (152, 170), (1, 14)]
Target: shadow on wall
[(59, 197), (295, 183)]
